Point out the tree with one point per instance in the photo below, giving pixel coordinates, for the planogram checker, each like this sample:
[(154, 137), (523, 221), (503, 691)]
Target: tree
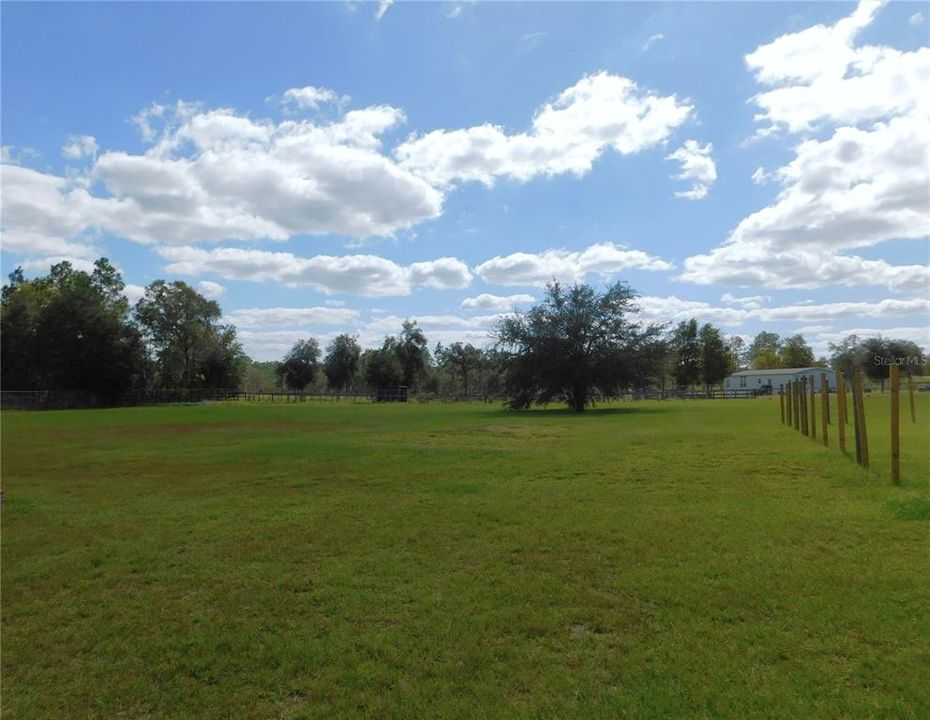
[(191, 348), (794, 352), (299, 367), (687, 346), (845, 356), (381, 367), (738, 351), (341, 362), (763, 351), (70, 331), (878, 354), (412, 353), (715, 356), (464, 360), (574, 343)]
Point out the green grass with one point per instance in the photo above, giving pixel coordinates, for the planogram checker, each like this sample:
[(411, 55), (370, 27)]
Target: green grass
[(647, 560)]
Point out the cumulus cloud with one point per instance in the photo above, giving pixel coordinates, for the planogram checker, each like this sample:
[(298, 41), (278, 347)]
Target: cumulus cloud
[(760, 177), (311, 97), (818, 75), (698, 166), (600, 112), (217, 175), (210, 289), (290, 317), (862, 184), (366, 275), (916, 19), (496, 303), (674, 309), (568, 266), (79, 146)]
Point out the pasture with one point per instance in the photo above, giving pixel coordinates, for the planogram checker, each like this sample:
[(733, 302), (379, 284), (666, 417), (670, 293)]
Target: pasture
[(643, 560)]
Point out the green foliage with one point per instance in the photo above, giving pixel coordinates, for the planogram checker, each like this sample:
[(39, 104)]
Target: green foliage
[(301, 364), (382, 368), (794, 352), (716, 360), (687, 346), (412, 353), (574, 343), (70, 331), (342, 362), (191, 348), (763, 351)]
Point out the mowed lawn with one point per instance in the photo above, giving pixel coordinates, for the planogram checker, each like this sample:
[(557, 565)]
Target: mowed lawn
[(645, 560)]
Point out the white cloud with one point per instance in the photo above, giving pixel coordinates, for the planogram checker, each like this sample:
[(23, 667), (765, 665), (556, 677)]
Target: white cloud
[(698, 166), (751, 301), (854, 188), (818, 75), (569, 266), (916, 19), (455, 12), (80, 146), (496, 303), (290, 317), (383, 6), (145, 120), (210, 289), (133, 293), (311, 97), (443, 274), (760, 177), (652, 40), (214, 175), (599, 112), (674, 309), (366, 275), (46, 216)]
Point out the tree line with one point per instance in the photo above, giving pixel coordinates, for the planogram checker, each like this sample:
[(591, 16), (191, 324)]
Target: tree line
[(74, 330)]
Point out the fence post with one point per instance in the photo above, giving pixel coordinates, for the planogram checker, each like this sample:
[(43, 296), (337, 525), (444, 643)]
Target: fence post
[(781, 403), (895, 378), (813, 418), (862, 435), (910, 392), (796, 392), (802, 401), (824, 407), (788, 401), (841, 410)]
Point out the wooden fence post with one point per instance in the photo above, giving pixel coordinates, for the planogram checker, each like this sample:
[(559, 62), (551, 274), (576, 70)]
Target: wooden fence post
[(824, 407), (861, 434), (781, 403), (813, 418), (789, 400), (796, 392), (895, 378), (823, 378), (841, 410), (802, 388), (910, 392)]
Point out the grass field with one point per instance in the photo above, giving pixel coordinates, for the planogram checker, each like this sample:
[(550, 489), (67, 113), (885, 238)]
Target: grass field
[(648, 560)]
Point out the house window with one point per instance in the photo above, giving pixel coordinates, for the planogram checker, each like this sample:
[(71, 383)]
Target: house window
[(742, 381)]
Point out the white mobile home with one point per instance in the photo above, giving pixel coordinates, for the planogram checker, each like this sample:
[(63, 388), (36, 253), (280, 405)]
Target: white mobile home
[(767, 382)]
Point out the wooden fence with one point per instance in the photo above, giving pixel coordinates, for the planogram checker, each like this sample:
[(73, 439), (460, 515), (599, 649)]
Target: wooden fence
[(798, 409)]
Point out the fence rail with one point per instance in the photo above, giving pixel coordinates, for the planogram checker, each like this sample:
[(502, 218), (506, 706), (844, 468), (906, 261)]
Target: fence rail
[(76, 399)]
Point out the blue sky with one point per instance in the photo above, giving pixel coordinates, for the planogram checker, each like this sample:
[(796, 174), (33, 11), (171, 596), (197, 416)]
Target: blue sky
[(318, 168)]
